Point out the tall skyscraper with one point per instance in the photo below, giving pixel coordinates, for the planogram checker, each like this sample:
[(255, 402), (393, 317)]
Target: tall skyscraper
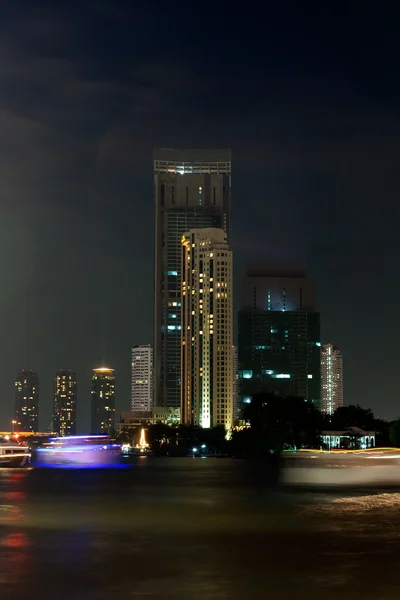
[(27, 401), (103, 401), (331, 378), (192, 190), (279, 335), (207, 329), (142, 378), (64, 403)]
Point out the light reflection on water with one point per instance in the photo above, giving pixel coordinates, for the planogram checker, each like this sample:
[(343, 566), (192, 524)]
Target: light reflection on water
[(192, 529)]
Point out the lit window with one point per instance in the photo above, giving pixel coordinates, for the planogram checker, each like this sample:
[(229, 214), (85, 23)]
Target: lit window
[(247, 374)]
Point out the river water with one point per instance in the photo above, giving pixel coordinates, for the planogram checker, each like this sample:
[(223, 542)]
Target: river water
[(192, 529)]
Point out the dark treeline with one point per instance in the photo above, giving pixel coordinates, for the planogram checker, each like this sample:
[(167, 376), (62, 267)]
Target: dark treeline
[(276, 424)]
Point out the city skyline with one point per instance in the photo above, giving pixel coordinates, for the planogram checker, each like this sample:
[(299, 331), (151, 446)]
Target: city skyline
[(314, 139)]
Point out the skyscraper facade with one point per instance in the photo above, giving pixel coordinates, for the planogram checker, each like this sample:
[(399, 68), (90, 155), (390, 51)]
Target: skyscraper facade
[(331, 379), (207, 329), (27, 401), (235, 376), (279, 335), (192, 190), (142, 378), (64, 402), (103, 401)]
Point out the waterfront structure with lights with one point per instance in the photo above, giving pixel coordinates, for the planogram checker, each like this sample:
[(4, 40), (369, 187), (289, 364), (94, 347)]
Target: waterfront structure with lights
[(64, 402), (103, 401), (207, 329), (331, 379), (26, 401), (279, 334), (192, 190), (142, 378)]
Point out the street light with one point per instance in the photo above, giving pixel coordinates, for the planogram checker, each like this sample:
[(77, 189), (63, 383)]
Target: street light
[(13, 424)]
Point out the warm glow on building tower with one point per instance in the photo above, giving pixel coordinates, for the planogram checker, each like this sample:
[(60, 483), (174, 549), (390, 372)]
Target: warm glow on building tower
[(64, 403), (331, 378), (103, 401), (206, 329)]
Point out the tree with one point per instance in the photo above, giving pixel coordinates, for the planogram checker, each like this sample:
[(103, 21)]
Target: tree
[(158, 435), (278, 423), (394, 433), (352, 416), (124, 436)]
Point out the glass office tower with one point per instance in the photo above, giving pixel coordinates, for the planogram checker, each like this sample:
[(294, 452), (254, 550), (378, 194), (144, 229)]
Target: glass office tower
[(192, 190)]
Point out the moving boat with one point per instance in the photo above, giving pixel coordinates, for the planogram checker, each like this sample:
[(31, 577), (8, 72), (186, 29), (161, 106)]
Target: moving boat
[(13, 454), (79, 451)]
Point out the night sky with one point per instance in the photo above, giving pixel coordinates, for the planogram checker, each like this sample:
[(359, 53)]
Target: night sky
[(307, 99)]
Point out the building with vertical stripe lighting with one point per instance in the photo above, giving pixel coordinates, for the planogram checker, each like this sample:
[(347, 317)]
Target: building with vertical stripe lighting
[(331, 379)]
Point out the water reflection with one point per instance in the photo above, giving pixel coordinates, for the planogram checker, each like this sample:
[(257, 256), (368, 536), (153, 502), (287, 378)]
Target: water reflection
[(193, 529)]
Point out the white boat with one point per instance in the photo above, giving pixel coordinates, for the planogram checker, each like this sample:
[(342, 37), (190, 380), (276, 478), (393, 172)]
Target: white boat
[(13, 454)]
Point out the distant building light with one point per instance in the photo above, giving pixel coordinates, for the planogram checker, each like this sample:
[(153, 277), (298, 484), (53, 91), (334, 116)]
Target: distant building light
[(281, 376), (247, 374), (175, 273), (309, 376)]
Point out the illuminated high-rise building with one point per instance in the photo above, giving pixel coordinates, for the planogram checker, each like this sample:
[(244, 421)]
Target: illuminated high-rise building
[(235, 375), (192, 190), (26, 401), (142, 378), (207, 329), (331, 379), (64, 403), (279, 335), (103, 401)]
